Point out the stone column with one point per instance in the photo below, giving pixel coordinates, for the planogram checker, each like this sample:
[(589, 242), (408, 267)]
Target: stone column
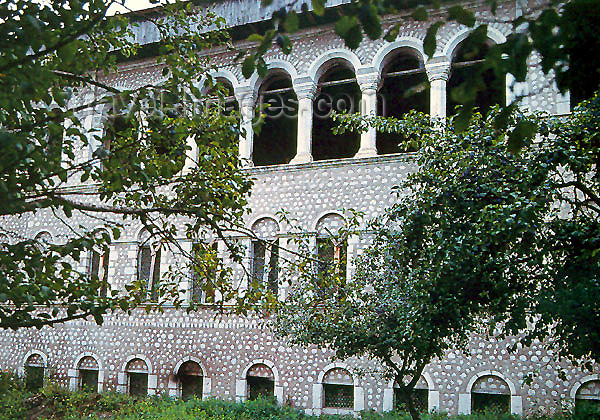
[(305, 92), (438, 72), (247, 100), (369, 85)]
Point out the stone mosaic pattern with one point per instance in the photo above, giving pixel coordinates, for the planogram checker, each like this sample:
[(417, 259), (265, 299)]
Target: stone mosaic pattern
[(35, 360), (261, 371), (265, 228), (136, 365), (491, 384), (89, 363), (421, 383), (338, 376), (330, 224)]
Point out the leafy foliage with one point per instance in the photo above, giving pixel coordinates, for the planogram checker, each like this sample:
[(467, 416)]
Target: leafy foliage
[(51, 66), (477, 235)]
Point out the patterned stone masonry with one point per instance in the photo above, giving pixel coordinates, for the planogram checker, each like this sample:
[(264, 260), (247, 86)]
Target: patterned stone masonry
[(228, 348)]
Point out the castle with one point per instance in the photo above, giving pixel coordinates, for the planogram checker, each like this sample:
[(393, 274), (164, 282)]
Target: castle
[(300, 166)]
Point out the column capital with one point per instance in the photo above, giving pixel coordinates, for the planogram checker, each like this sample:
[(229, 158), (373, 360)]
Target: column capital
[(305, 89), (369, 81), (245, 95), (438, 68)]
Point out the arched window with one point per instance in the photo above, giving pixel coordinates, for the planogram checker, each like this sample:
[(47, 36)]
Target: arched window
[(265, 254), (340, 92), (469, 59), (98, 268), (420, 396), (261, 382), (587, 398), (43, 240), (148, 267), (338, 389), (204, 271), (190, 379), (34, 372), (88, 372), (275, 139), (332, 245), (221, 96), (404, 88), (137, 378), (490, 392)]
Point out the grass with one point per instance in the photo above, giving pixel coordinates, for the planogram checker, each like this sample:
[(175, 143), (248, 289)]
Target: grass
[(56, 403)]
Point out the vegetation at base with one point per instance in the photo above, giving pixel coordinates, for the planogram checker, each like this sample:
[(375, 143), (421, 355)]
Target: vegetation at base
[(56, 403)]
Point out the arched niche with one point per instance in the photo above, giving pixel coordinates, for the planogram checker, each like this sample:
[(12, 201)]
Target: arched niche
[(404, 87), (275, 130), (467, 60), (337, 91)]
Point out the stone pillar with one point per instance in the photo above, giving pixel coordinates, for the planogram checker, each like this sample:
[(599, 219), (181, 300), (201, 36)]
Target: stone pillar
[(369, 85), (516, 405), (438, 72), (464, 403), (247, 100), (305, 92), (206, 387), (241, 390), (359, 398), (388, 399), (433, 401)]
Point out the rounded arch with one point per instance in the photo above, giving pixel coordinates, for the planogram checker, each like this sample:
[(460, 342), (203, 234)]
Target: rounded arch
[(336, 365), (413, 44), (323, 215), (190, 359), (474, 378), (36, 353), (581, 382), (138, 356), (267, 225), (451, 46), (425, 375), (284, 66), (46, 232), (88, 354), (321, 64), (265, 362)]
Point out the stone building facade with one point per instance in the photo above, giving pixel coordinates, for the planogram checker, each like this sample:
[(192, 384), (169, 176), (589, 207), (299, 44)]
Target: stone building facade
[(225, 356)]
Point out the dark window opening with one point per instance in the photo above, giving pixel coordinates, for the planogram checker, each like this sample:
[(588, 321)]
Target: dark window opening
[(466, 65), (149, 271), (276, 138), (261, 272), (332, 256), (204, 272), (260, 387), (88, 380), (338, 92), (405, 87), (420, 399), (138, 384), (98, 261), (490, 402), (190, 377), (34, 378), (587, 407), (339, 396)]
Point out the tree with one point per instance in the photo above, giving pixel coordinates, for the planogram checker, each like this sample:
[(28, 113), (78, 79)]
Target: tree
[(477, 235), (52, 59)]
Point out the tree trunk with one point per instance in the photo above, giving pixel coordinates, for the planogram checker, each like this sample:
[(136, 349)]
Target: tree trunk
[(410, 404)]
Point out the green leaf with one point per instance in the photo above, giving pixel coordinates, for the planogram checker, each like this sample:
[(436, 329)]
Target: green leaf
[(392, 33), (420, 14), (429, 43), (371, 22), (255, 38), (248, 66), (522, 133), (318, 7), (461, 15), (348, 28), (463, 118), (291, 23)]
